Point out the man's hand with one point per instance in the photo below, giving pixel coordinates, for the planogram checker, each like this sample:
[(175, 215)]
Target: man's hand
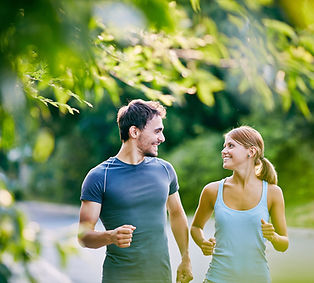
[(184, 272), (208, 246), (122, 236), (268, 230)]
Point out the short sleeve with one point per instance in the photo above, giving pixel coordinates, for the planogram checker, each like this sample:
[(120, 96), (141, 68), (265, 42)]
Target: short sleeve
[(93, 186), (174, 185)]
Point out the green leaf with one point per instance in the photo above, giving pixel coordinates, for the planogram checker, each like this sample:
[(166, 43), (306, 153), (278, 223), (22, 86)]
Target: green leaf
[(7, 132), (44, 145), (111, 86), (301, 103), (244, 85), (156, 95), (308, 42), (70, 93), (286, 100), (231, 6), (157, 13), (263, 89), (178, 65), (302, 86), (204, 94), (280, 27), (195, 5)]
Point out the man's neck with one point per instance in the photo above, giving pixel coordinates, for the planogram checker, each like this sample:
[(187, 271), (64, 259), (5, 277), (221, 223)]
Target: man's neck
[(128, 153)]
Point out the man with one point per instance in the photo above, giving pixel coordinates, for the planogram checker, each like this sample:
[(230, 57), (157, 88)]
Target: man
[(131, 193)]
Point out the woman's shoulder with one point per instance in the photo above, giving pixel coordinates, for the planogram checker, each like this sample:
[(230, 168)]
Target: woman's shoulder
[(275, 192), (211, 189), (274, 189)]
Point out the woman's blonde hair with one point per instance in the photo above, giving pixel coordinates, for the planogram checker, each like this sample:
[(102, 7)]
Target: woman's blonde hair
[(249, 137)]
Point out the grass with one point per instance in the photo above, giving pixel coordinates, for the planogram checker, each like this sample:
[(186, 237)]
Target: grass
[(300, 215)]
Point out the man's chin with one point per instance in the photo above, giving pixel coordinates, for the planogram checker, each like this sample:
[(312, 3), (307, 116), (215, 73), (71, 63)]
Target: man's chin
[(151, 154)]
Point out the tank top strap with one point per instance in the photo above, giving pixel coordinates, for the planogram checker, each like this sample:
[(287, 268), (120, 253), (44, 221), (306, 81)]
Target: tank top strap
[(264, 194), (220, 191)]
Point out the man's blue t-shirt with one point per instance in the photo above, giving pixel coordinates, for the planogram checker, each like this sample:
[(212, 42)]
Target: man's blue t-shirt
[(135, 195)]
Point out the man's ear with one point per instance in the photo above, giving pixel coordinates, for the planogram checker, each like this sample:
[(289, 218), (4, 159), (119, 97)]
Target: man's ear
[(133, 132)]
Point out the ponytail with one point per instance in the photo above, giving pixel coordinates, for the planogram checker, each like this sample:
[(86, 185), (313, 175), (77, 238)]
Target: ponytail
[(266, 171)]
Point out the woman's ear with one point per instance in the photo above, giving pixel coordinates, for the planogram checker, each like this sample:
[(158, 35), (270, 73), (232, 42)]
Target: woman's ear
[(252, 151), (133, 132)]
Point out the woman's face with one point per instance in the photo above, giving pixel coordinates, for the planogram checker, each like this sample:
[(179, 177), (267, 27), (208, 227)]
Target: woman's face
[(233, 154)]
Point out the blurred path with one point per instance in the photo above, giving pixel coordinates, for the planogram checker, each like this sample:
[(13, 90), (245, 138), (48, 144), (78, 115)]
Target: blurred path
[(57, 221)]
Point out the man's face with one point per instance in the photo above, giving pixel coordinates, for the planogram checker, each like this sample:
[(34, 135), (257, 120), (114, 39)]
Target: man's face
[(151, 137)]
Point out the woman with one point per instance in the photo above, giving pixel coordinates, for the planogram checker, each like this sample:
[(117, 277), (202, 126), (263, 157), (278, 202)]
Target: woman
[(242, 204)]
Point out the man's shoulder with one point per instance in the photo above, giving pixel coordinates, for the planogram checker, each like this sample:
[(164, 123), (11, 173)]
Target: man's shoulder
[(100, 169), (162, 161)]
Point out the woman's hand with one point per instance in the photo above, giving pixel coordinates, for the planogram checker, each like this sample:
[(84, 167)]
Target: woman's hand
[(268, 230), (208, 246)]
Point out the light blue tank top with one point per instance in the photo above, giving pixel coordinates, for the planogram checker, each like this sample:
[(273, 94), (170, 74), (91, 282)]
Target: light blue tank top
[(239, 255)]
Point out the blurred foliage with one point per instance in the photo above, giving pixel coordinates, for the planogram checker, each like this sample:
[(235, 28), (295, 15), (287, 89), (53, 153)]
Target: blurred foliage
[(288, 145), (216, 63), (18, 240), (200, 166), (301, 215)]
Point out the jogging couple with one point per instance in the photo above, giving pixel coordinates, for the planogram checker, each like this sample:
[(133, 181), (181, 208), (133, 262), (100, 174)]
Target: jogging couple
[(133, 191)]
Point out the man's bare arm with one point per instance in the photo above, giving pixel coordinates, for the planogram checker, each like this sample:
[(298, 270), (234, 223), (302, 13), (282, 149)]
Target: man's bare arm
[(88, 237)]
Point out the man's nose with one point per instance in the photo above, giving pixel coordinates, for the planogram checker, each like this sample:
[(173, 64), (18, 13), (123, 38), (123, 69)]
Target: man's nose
[(161, 138)]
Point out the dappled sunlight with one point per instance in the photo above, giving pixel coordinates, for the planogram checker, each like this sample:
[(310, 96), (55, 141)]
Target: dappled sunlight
[(44, 145), (119, 15), (67, 66), (31, 231), (300, 12), (6, 198)]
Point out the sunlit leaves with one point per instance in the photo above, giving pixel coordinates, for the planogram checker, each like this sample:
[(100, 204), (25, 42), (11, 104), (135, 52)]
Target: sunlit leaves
[(299, 12), (157, 63), (232, 6), (195, 5), (294, 55), (207, 85), (108, 83), (263, 89), (265, 48), (7, 130), (157, 12), (44, 146), (307, 40), (281, 28), (301, 103), (296, 85)]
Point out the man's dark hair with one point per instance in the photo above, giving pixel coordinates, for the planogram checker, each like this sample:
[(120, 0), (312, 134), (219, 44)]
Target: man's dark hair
[(137, 113)]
